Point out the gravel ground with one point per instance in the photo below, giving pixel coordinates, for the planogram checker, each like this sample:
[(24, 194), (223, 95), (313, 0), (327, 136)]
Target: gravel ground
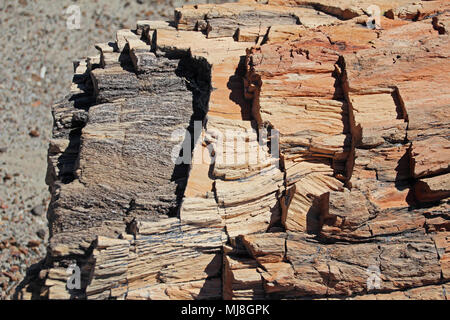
[(36, 52)]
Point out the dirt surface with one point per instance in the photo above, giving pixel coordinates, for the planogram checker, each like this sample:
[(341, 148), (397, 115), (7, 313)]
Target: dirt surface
[(37, 50)]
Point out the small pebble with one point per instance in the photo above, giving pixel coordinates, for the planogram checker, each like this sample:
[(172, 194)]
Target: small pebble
[(34, 133), (37, 210), (11, 276), (33, 243), (23, 250), (14, 269), (41, 233), (14, 251)]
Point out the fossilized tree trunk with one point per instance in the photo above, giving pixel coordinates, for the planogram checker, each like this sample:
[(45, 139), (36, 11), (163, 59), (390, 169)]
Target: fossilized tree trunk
[(357, 187)]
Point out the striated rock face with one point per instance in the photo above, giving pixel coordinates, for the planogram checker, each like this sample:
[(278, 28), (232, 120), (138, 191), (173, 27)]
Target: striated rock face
[(264, 149)]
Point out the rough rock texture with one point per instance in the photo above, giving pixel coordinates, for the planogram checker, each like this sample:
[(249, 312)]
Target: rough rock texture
[(319, 157)]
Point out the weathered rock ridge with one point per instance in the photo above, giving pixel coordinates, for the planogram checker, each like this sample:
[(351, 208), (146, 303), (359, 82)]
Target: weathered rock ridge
[(338, 136)]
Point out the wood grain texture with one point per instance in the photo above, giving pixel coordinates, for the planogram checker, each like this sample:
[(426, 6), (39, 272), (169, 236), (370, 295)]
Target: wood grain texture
[(356, 187)]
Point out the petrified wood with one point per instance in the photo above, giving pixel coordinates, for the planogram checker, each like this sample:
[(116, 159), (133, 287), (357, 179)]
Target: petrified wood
[(339, 135)]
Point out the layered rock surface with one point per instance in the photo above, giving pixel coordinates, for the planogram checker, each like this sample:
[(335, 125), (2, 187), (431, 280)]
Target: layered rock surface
[(317, 149)]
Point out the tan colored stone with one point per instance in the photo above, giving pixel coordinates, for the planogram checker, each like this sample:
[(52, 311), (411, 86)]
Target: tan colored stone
[(432, 189), (430, 157)]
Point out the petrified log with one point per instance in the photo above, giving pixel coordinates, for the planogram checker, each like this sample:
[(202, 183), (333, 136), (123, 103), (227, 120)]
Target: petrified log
[(317, 147)]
